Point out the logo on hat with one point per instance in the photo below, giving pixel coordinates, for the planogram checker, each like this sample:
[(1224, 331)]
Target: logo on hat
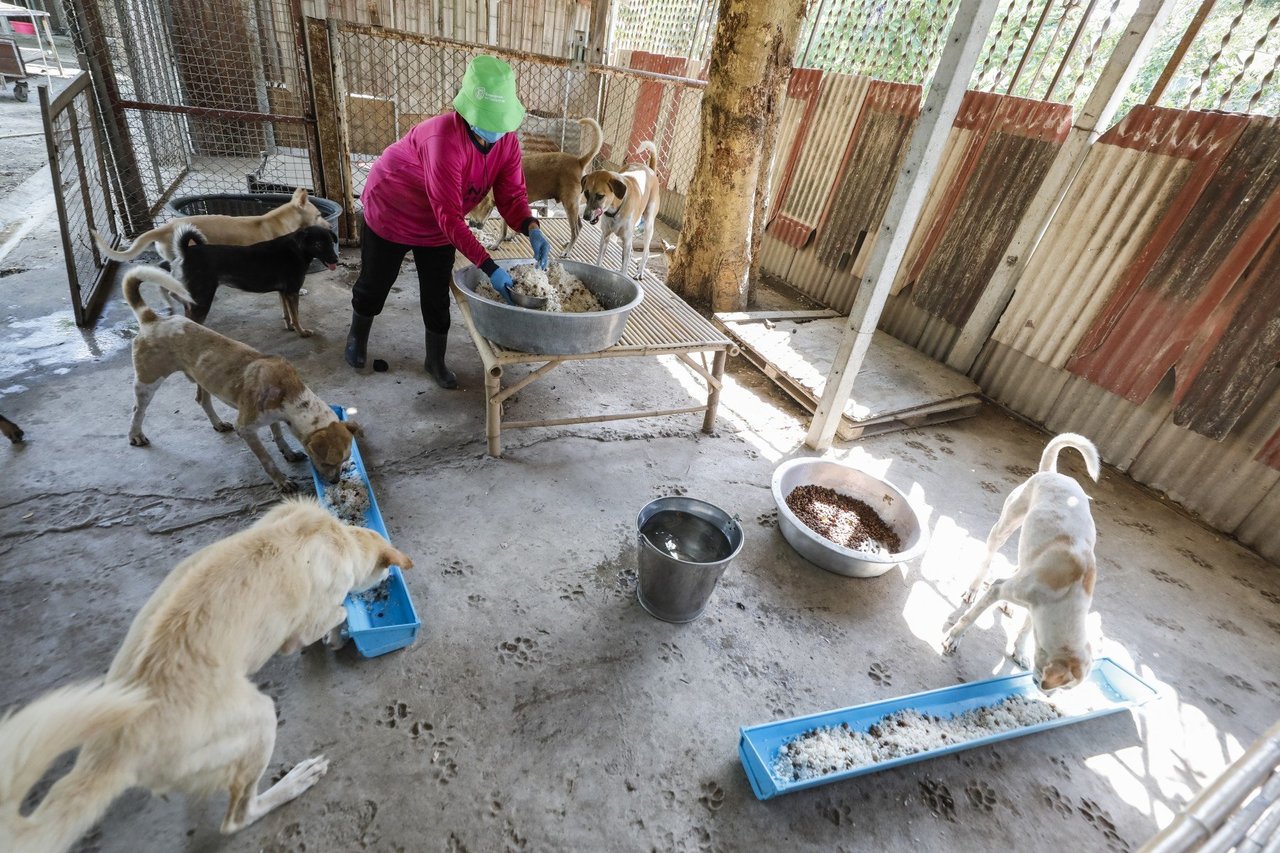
[(483, 94)]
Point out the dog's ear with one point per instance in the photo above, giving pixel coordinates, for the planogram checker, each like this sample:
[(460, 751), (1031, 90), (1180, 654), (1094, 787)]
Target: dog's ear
[(270, 397), (300, 197), (389, 556), (354, 428), (618, 188), (584, 184)]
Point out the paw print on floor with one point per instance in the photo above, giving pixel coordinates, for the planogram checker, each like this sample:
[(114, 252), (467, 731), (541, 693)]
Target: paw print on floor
[(1239, 683), (1228, 626), (837, 813), (574, 593), (923, 448), (1097, 817), (938, 798), (1222, 706), (521, 651), (981, 796), (394, 713), (880, 674), (678, 491), (990, 487), (1273, 597), (767, 519), (1195, 558), (1165, 577), (475, 599), (1053, 798), (670, 652), (1163, 622), (457, 568), (443, 767), (1022, 472), (455, 845), (712, 796)]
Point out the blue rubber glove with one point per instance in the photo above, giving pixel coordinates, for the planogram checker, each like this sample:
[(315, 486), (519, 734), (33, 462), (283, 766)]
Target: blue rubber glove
[(501, 280), (541, 248)]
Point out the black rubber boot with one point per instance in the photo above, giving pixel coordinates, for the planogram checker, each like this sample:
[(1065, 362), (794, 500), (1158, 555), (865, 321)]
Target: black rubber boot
[(434, 364), (358, 339)]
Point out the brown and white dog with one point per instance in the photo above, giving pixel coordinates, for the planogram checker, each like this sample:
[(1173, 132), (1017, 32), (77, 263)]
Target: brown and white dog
[(264, 389), (223, 230), (553, 175), (178, 709), (618, 201), (1056, 568)]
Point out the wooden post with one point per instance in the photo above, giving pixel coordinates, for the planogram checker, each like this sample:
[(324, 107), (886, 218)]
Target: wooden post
[(741, 107), (713, 392), (328, 139), (1127, 58), (955, 68)]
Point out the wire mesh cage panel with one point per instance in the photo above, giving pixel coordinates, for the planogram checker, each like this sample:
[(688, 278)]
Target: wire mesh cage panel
[(83, 191)]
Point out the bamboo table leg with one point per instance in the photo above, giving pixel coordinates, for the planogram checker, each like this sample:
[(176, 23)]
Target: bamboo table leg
[(493, 412), (713, 392)]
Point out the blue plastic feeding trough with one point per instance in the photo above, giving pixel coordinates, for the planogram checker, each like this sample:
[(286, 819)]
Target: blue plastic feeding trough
[(381, 619), (759, 745)]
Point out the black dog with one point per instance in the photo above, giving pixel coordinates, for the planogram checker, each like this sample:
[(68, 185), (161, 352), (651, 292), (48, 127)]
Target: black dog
[(10, 430), (277, 265)]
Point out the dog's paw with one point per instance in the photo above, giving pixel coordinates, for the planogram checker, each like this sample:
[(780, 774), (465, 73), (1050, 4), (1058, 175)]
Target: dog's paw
[(139, 440), (305, 333), (295, 456), (969, 596), (287, 487), (1019, 660), (949, 644), (336, 639), (223, 426)]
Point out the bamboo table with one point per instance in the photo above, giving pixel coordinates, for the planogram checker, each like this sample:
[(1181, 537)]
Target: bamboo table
[(662, 324)]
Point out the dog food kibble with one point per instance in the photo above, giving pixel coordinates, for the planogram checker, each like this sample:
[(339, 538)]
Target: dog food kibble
[(565, 293), (843, 520), (820, 752), (348, 498)]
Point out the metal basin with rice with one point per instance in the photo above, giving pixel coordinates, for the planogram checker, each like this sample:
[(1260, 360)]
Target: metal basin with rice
[(892, 505), (551, 333)]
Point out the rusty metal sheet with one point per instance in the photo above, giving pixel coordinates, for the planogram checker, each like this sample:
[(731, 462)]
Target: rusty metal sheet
[(868, 172), (1270, 452), (1162, 317), (840, 99), (1010, 158), (797, 118)]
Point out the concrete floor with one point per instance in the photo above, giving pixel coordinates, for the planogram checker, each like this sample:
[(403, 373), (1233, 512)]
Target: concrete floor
[(603, 729)]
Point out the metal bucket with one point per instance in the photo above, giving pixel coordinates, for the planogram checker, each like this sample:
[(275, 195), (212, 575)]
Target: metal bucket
[(675, 586)]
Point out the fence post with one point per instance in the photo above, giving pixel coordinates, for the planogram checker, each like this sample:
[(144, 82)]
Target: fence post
[(924, 152), (329, 139), (91, 37), (1127, 58)]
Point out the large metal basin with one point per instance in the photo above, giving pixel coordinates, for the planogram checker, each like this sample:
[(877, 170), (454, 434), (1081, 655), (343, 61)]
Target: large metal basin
[(892, 505), (550, 333)]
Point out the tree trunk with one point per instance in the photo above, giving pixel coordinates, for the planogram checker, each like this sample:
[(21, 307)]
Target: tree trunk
[(751, 58)]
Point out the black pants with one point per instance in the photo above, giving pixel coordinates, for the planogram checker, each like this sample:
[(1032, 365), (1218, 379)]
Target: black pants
[(380, 261)]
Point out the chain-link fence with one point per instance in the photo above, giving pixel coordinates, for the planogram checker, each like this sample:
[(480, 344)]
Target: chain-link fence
[(82, 189)]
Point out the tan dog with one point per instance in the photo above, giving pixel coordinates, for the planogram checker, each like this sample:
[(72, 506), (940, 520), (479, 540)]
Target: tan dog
[(222, 230), (619, 200), (553, 175), (177, 709), (264, 389), (1056, 568)]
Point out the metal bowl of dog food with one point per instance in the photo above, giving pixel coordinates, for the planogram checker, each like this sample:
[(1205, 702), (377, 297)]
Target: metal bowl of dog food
[(889, 503), (553, 333)]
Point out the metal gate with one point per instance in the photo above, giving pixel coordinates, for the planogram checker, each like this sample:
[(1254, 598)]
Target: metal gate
[(82, 190)]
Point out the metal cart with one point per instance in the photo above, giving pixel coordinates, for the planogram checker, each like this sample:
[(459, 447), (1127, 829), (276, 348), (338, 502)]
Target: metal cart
[(12, 68)]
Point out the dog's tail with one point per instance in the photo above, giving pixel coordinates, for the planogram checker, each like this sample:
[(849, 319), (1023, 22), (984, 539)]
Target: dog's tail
[(651, 148), (137, 247), (589, 152), (30, 741), (184, 236), (154, 275), (1049, 459)]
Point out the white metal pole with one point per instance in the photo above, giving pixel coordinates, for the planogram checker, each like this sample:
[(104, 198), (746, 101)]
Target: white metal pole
[(1113, 84), (959, 55)]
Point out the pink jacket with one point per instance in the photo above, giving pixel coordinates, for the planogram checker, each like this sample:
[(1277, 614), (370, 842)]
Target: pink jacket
[(421, 188)]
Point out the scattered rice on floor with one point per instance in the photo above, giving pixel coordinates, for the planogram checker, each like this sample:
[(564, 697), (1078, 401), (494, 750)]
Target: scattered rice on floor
[(834, 749), (348, 498), (564, 292)]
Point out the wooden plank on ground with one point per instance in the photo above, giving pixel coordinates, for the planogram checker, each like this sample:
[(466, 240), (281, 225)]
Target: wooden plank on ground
[(898, 388)]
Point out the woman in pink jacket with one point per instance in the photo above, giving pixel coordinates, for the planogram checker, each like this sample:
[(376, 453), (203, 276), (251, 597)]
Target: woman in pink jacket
[(417, 196)]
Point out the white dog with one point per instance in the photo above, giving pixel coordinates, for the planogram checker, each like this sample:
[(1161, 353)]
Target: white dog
[(1056, 568), (177, 709)]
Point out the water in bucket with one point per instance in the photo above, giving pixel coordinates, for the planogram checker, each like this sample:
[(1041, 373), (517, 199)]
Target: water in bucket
[(686, 537)]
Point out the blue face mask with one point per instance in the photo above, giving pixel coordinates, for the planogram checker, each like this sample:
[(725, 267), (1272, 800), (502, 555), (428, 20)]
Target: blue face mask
[(489, 136)]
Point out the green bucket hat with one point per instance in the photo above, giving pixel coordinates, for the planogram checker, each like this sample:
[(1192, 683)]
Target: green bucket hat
[(487, 98)]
